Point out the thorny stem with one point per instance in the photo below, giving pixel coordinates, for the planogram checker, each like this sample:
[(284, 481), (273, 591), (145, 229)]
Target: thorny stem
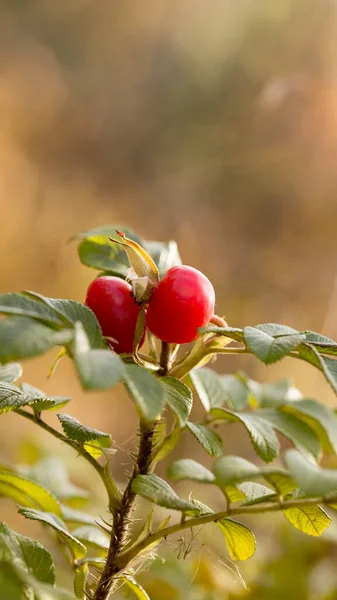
[(125, 558), (121, 516), (103, 473)]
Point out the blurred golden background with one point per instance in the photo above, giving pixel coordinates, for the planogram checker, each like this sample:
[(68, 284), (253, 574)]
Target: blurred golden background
[(211, 123)]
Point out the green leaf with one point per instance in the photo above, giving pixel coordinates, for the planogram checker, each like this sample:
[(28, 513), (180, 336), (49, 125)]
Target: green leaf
[(46, 402), (165, 255), (92, 536), (208, 387), (76, 312), (295, 430), (322, 343), (107, 231), (278, 393), (22, 337), (29, 553), (80, 581), (159, 492), (210, 441), (167, 445), (313, 480), (97, 369), (234, 333), (320, 418), (11, 397), (240, 540), (255, 492), (235, 390), (99, 253), (78, 517), (312, 520), (51, 473), (77, 432), (10, 372), (327, 365), (26, 492), (178, 397), (190, 469), (135, 587), (261, 433), (281, 480), (267, 348), (24, 306), (229, 470), (146, 391), (77, 549)]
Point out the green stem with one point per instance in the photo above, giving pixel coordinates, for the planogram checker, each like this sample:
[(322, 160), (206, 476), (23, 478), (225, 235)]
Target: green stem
[(197, 355), (125, 558), (103, 472)]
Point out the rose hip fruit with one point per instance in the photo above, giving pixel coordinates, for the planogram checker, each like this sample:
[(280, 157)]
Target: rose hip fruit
[(182, 302), (110, 298)]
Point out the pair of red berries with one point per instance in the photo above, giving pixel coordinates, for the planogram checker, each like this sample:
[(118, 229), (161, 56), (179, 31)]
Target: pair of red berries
[(181, 302)]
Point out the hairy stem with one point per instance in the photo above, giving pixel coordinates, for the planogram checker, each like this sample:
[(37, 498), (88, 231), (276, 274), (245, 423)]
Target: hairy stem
[(106, 477), (121, 516), (125, 558)]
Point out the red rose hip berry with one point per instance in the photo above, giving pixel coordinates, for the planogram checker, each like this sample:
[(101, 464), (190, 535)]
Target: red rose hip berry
[(182, 302), (110, 298)]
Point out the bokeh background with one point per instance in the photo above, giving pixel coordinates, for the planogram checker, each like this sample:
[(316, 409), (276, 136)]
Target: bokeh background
[(211, 123)]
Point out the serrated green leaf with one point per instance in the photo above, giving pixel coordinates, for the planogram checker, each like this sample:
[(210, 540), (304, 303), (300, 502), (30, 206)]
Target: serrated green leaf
[(313, 480), (234, 494), (240, 539), (77, 432), (146, 391), (29, 553), (159, 492), (10, 372), (46, 402), (270, 349), (323, 344), (75, 312), (92, 536), (178, 397), (255, 492), (234, 333), (229, 470), (319, 417), (261, 433), (99, 253), (210, 441), (165, 255), (327, 365), (38, 560), (22, 337), (295, 430), (21, 305), (190, 469), (27, 492), (311, 520), (208, 387), (236, 391), (135, 587), (80, 581), (97, 369), (77, 549)]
